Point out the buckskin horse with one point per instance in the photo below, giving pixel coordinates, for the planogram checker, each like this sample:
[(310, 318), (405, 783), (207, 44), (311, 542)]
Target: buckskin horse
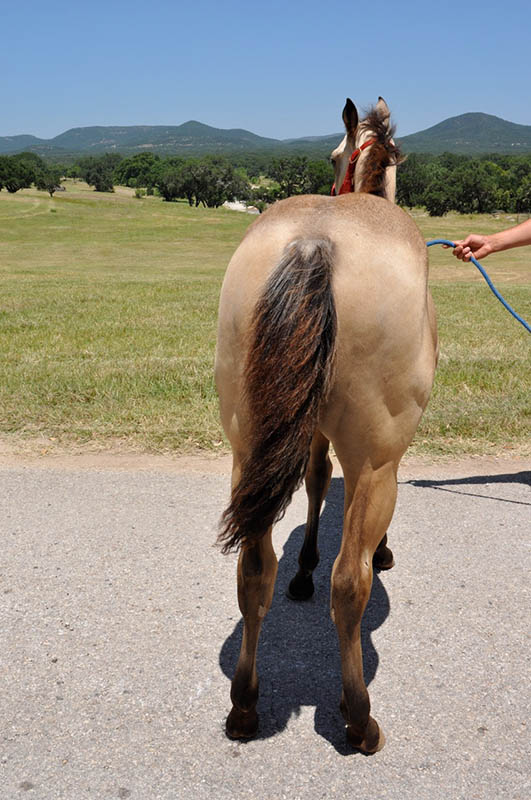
[(326, 334)]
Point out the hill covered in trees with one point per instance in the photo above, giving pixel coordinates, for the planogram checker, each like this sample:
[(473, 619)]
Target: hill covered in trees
[(191, 138), (472, 133)]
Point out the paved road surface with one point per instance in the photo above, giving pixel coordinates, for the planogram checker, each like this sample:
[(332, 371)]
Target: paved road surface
[(120, 629)]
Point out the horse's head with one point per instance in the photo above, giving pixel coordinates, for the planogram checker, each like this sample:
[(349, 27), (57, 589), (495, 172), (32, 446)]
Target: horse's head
[(366, 159)]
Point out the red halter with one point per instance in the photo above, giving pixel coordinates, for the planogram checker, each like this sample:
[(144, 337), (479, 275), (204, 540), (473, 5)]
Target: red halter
[(346, 186)]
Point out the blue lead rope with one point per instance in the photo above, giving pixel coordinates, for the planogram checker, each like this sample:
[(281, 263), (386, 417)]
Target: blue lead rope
[(491, 286)]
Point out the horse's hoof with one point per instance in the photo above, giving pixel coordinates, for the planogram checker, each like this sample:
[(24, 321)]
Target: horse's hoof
[(300, 587), (241, 724), (373, 740), (384, 560)]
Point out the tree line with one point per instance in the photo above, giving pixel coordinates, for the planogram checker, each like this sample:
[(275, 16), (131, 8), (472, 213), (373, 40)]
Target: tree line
[(207, 181), (439, 183), (24, 169), (211, 180), (465, 184)]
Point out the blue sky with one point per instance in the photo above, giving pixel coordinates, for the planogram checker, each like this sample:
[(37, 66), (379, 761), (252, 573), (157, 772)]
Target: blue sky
[(280, 69)]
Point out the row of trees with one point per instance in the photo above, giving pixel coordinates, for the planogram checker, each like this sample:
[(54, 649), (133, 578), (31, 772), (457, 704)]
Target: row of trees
[(24, 169), (213, 179), (468, 185), (208, 181), (440, 183)]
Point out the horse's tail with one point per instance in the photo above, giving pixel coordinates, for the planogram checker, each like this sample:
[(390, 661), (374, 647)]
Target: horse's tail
[(287, 375)]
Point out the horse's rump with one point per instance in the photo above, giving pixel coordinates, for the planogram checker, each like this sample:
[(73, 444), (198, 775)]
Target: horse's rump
[(288, 371)]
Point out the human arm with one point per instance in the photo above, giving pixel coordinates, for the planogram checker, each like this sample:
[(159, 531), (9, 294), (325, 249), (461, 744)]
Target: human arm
[(481, 246)]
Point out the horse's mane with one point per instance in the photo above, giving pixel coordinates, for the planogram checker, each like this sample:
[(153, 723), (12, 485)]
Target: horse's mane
[(382, 154)]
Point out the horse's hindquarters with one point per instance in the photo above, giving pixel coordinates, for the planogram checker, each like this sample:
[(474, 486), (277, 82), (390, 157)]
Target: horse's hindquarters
[(385, 356)]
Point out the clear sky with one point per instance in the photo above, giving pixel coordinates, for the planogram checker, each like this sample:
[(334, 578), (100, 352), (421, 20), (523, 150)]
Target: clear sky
[(279, 69)]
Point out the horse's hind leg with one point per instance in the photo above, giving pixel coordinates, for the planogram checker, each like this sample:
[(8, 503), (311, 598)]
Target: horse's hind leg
[(318, 475), (369, 504), (257, 569)]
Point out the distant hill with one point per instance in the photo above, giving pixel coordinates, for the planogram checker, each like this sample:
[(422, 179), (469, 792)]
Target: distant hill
[(471, 133), (15, 144), (191, 138), (191, 134)]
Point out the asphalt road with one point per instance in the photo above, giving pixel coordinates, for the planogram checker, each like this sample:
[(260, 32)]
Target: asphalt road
[(119, 631)]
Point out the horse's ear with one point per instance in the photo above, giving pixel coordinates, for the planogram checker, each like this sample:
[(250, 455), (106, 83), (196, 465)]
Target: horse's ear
[(350, 116), (383, 111)]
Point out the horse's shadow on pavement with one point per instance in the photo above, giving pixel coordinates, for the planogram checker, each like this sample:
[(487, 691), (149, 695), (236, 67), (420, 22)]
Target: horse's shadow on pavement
[(460, 485), (298, 654)]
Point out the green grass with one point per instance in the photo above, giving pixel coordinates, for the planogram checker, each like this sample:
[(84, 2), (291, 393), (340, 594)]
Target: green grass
[(481, 399), (108, 318)]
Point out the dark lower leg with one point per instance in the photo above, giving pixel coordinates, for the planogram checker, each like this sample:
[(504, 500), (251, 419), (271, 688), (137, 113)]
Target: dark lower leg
[(317, 481), (383, 557)]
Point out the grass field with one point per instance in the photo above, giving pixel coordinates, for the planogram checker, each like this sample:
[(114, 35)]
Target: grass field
[(108, 316)]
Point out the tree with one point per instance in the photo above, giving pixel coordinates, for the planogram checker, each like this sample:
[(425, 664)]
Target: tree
[(519, 169), (262, 196), (98, 171), (437, 201), (189, 185), (411, 183), (48, 179), (474, 188), (438, 196), (74, 172), (239, 185), (452, 161), (18, 171), (216, 181), (320, 177), (4, 164), (291, 174), (260, 205), (170, 183), (523, 196), (208, 181), (138, 170)]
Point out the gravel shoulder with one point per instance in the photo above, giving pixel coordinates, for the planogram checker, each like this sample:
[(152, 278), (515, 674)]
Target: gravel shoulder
[(115, 459)]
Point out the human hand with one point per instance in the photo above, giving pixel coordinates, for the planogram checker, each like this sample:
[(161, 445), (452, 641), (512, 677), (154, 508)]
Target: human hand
[(474, 245)]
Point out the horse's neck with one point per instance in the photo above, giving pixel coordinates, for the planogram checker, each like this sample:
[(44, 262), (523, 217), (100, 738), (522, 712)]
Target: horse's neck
[(384, 186), (390, 184)]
